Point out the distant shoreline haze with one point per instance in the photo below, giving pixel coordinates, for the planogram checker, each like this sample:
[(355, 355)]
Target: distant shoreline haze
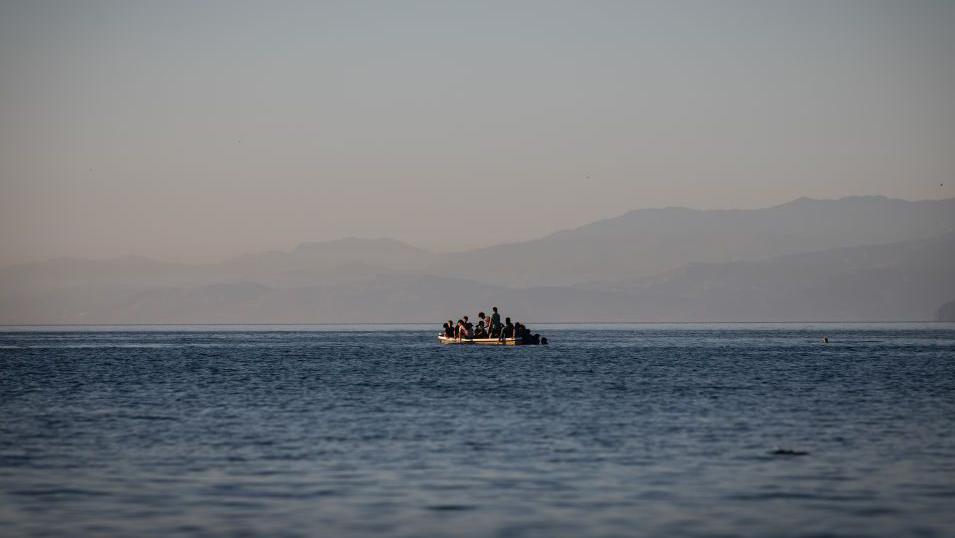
[(867, 258), (363, 242)]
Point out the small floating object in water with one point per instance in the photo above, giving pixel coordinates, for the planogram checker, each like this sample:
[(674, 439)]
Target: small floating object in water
[(788, 452), (825, 339)]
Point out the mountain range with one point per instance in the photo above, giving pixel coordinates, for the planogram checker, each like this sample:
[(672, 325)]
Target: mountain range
[(853, 259)]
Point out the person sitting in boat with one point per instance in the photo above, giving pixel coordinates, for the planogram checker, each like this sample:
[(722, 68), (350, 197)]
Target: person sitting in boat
[(459, 329), (481, 331), (522, 333), (469, 326), (507, 331), (531, 338)]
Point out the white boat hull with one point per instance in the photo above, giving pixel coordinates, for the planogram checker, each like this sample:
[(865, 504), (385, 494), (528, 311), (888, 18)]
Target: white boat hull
[(480, 341)]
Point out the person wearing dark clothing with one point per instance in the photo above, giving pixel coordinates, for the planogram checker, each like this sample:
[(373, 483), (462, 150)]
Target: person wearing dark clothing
[(525, 335), (483, 326), (495, 323), (508, 330)]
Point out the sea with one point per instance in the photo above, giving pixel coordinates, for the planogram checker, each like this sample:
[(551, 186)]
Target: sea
[(611, 430)]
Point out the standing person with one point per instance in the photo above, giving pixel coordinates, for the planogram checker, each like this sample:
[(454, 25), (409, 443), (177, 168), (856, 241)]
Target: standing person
[(495, 322)]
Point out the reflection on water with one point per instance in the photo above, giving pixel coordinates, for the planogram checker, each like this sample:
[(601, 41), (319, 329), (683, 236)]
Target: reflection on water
[(611, 430)]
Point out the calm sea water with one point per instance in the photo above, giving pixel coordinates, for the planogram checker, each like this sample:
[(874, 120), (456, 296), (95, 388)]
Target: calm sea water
[(380, 431)]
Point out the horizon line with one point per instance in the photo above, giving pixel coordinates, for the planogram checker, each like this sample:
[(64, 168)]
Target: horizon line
[(393, 323)]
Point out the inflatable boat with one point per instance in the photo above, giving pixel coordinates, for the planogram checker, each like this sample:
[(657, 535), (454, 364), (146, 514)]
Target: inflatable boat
[(482, 341)]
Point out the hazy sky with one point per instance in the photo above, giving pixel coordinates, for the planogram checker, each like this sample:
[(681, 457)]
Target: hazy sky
[(196, 130)]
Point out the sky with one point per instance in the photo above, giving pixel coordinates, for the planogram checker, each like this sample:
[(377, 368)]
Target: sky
[(194, 131)]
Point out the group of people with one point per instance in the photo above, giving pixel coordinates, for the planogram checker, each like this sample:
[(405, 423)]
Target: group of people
[(491, 327)]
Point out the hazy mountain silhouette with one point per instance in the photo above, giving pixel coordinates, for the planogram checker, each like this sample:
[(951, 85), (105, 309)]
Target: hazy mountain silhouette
[(62, 273), (311, 263), (646, 242), (325, 262), (647, 265), (899, 281)]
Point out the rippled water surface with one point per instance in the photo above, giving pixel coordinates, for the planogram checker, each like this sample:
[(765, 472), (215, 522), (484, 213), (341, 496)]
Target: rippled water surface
[(370, 431)]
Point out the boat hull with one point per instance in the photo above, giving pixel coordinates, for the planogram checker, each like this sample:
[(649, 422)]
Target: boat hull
[(480, 341)]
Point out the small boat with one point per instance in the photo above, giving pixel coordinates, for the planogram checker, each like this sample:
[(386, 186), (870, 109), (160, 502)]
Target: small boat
[(482, 341)]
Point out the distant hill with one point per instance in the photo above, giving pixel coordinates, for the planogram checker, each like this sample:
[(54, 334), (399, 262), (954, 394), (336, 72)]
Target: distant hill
[(64, 273), (324, 262), (647, 242), (946, 312), (898, 281), (862, 258), (310, 264)]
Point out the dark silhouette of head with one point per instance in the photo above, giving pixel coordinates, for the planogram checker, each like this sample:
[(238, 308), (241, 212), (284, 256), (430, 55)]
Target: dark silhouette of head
[(494, 309)]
